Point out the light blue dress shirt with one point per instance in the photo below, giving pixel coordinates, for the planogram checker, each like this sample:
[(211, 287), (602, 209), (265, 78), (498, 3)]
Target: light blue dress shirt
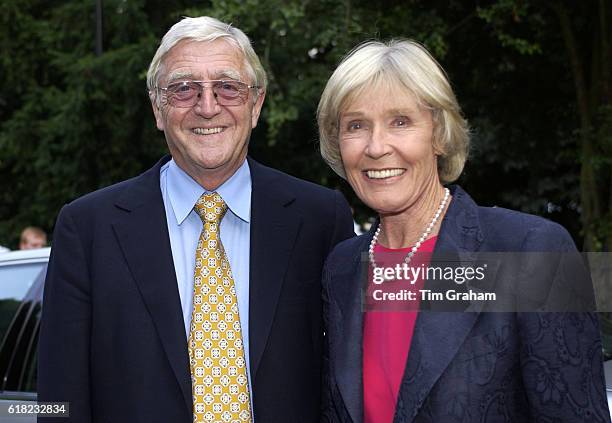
[(180, 193)]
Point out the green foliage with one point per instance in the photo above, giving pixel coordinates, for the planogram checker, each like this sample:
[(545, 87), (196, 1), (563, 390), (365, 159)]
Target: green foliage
[(504, 17), (72, 122)]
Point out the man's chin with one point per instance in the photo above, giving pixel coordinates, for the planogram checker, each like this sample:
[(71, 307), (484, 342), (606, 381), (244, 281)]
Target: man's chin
[(210, 173)]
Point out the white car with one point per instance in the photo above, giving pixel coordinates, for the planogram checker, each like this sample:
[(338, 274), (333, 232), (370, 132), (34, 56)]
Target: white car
[(608, 373), (22, 276)]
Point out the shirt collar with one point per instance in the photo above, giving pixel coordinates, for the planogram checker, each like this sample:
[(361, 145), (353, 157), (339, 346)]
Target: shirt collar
[(184, 191)]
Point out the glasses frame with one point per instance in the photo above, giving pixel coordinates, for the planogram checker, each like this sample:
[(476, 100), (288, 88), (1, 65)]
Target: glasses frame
[(239, 100)]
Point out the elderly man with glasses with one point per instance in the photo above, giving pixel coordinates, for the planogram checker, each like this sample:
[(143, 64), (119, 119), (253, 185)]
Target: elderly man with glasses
[(192, 292)]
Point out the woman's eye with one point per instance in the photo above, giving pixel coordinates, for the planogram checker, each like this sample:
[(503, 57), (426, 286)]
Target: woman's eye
[(401, 121), (353, 126)]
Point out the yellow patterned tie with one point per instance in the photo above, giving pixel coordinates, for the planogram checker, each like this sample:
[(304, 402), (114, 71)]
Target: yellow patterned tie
[(216, 355)]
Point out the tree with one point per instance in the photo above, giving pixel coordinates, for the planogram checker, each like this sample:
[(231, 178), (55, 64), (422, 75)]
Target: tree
[(587, 39), (72, 122)]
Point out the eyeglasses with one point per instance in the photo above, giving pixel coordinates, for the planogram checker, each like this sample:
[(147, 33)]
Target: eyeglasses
[(188, 93)]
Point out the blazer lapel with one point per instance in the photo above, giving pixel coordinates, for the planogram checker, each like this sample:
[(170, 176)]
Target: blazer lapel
[(347, 353), (436, 340), (143, 236), (438, 335), (274, 227)]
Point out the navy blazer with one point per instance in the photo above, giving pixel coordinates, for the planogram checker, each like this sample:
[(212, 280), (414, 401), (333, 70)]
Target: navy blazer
[(470, 366), (112, 340)]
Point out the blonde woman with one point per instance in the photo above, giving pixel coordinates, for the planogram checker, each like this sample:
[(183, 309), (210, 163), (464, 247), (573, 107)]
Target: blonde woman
[(391, 126)]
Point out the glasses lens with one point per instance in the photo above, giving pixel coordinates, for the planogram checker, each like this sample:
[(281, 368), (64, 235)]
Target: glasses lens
[(182, 94), (187, 93), (230, 92)]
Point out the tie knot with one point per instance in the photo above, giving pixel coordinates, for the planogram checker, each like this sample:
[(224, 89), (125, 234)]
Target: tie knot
[(210, 207)]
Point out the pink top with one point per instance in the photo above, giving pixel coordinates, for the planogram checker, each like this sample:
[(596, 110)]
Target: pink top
[(387, 335)]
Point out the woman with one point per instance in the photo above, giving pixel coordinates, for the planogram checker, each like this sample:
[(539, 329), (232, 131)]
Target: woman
[(390, 125)]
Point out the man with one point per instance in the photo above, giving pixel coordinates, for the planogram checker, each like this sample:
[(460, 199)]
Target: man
[(32, 237), (192, 292)]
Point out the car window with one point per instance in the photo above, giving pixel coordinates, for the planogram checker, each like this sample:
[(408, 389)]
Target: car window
[(15, 281), (20, 308)]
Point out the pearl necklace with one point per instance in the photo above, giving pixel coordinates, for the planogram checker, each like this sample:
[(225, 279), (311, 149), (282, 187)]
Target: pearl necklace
[(418, 243)]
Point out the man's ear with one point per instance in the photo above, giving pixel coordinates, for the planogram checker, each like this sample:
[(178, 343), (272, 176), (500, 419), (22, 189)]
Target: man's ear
[(255, 112), (157, 112)]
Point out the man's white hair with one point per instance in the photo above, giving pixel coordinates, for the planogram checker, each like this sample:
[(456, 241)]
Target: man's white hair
[(205, 28)]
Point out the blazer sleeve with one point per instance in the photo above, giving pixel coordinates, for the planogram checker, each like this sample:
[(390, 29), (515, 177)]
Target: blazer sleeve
[(64, 348), (561, 352), (343, 229)]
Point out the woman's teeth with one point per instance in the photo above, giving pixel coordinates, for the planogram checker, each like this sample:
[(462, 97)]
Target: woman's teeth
[(382, 174)]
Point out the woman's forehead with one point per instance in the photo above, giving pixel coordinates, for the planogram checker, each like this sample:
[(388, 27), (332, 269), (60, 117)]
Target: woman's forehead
[(376, 89)]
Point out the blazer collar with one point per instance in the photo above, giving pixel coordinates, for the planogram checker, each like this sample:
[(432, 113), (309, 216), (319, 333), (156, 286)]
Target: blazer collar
[(460, 230), (275, 225), (142, 234), (143, 189), (438, 335), (346, 351)]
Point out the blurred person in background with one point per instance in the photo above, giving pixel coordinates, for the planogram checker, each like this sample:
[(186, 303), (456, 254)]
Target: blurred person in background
[(32, 237)]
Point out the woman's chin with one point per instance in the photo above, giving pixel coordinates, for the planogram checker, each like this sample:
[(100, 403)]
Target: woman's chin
[(386, 206)]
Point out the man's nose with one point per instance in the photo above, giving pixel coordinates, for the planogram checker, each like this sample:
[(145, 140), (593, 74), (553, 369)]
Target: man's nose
[(207, 104)]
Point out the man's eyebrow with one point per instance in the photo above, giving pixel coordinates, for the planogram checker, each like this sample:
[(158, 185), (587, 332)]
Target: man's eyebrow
[(174, 76), (221, 74), (227, 74)]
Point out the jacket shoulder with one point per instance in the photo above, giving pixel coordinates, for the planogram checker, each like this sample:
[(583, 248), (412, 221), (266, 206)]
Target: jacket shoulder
[(106, 195), (125, 194), (524, 231), (315, 202), (296, 185)]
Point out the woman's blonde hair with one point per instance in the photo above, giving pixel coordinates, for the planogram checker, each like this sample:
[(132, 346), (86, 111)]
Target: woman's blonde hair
[(403, 64)]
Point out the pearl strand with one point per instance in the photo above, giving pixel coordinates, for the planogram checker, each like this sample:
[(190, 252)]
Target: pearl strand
[(423, 237)]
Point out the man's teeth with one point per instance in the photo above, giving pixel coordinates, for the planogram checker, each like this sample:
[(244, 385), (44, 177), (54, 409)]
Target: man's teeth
[(206, 131), (382, 174)]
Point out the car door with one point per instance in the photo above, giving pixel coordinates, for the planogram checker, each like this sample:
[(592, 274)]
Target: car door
[(22, 277)]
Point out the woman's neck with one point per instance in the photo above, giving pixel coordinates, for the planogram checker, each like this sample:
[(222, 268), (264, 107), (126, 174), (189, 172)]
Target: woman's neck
[(404, 229)]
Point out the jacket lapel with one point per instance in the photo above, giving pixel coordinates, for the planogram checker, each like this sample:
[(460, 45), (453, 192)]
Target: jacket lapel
[(347, 353), (143, 236), (439, 335), (274, 228)]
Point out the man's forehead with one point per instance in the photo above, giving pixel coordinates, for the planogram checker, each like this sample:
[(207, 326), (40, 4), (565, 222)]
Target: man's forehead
[(192, 59)]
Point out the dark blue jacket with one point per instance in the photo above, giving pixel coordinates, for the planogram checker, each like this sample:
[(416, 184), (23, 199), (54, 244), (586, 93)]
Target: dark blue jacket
[(113, 341), (470, 366)]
